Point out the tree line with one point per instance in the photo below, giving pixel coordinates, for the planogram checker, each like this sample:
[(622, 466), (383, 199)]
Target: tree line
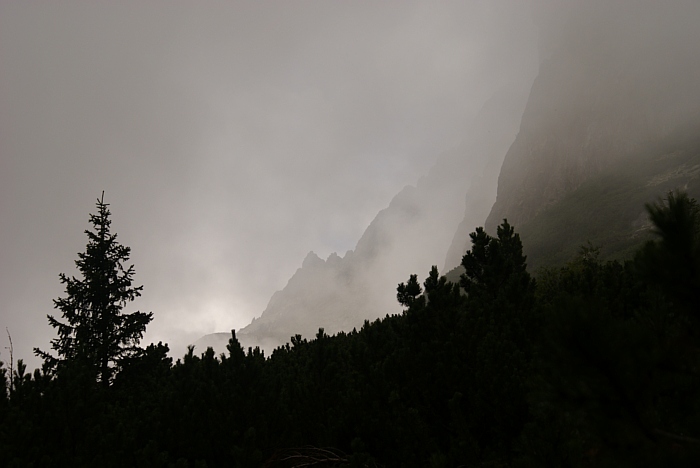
[(588, 364)]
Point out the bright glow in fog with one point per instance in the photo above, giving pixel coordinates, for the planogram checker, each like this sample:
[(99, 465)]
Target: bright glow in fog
[(233, 138)]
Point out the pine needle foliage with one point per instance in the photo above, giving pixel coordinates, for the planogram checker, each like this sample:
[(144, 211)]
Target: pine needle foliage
[(95, 334)]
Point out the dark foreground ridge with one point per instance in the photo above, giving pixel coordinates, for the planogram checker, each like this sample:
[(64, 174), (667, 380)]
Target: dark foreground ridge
[(591, 364)]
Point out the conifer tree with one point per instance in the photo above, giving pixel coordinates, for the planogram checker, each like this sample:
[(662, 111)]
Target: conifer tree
[(496, 266), (673, 260), (96, 334), (407, 293), (500, 328)]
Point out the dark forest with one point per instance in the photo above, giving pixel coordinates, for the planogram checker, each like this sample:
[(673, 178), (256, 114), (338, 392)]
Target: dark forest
[(587, 364)]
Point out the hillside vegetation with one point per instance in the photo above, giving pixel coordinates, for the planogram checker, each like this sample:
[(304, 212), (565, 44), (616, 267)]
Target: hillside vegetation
[(595, 363), (608, 210)]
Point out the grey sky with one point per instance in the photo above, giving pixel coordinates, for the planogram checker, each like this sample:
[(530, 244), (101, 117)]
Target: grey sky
[(230, 138)]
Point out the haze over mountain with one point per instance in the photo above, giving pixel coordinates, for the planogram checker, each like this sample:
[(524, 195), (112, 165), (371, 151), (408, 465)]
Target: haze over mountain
[(230, 138), (385, 132), (411, 234), (613, 82), (616, 105)]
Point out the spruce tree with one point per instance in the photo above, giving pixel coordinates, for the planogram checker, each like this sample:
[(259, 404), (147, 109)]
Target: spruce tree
[(96, 334)]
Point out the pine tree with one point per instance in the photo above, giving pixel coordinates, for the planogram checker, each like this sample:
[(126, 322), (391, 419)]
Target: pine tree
[(496, 267), (672, 261), (500, 327), (407, 294), (96, 335)]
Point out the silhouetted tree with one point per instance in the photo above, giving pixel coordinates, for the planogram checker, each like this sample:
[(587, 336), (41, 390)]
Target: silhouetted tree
[(594, 364), (4, 386), (673, 260), (407, 293), (496, 266), (96, 334), (619, 357), (499, 325)]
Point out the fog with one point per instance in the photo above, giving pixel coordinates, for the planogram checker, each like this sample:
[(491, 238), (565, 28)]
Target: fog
[(614, 83), (233, 138), (230, 138), (410, 235)]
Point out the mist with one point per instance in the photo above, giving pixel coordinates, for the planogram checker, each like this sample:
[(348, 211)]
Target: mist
[(615, 83), (277, 168), (230, 139), (602, 94), (233, 139)]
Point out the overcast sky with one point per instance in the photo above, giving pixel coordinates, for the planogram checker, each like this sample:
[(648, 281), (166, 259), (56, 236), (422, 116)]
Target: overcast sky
[(230, 138)]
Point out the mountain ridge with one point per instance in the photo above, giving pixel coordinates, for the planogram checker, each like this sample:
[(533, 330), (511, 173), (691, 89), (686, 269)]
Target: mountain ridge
[(606, 99), (412, 233)]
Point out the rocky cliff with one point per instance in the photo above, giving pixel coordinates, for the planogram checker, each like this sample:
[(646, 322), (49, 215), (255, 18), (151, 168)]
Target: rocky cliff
[(611, 122), (411, 234), (613, 82)]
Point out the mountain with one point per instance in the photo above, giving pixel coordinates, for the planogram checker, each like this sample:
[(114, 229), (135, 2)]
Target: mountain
[(496, 129), (612, 122), (411, 234)]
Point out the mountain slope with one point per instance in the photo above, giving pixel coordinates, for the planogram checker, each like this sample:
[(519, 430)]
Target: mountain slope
[(409, 236), (614, 108), (610, 123)]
